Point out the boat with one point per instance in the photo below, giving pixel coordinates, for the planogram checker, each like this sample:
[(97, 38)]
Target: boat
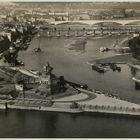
[(37, 50), (98, 68), (48, 34), (58, 35), (114, 67), (104, 49)]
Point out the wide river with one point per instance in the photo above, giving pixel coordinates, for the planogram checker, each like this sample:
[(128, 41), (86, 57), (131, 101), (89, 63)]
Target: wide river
[(73, 66)]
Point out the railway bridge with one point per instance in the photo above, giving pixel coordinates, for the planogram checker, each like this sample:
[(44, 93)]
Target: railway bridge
[(95, 22)]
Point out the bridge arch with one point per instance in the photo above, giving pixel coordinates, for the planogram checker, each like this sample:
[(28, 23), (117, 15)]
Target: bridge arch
[(133, 23), (89, 22), (71, 23), (105, 23)]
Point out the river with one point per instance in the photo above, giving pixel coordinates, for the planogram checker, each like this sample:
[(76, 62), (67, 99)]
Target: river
[(73, 66)]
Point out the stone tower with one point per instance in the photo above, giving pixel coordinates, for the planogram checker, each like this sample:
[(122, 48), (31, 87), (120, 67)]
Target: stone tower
[(45, 80)]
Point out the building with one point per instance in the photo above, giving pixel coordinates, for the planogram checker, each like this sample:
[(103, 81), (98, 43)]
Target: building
[(59, 16)]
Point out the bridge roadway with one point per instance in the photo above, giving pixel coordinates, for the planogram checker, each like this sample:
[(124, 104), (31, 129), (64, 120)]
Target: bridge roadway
[(137, 67), (93, 22)]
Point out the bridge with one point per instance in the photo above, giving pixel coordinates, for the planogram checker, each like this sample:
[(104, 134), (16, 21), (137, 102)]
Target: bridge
[(136, 79), (135, 69), (94, 22)]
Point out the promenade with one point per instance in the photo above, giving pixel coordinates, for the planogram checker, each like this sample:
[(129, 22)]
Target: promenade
[(105, 104), (86, 101)]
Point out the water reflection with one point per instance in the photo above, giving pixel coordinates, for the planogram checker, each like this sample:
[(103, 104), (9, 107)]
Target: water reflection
[(63, 125), (50, 124)]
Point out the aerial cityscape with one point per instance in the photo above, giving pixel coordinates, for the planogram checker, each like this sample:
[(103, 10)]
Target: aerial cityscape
[(68, 69)]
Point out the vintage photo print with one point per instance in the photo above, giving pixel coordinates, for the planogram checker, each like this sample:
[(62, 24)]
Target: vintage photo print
[(69, 69)]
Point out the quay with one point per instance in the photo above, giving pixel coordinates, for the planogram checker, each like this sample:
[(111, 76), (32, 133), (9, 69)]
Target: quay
[(85, 101), (117, 59), (110, 105)]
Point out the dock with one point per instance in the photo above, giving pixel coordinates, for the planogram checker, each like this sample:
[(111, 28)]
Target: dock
[(109, 105)]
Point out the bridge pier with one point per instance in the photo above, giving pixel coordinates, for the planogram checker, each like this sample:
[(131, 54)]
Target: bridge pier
[(137, 85), (133, 71)]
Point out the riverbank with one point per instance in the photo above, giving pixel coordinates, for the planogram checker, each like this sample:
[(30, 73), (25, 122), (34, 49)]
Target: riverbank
[(118, 59), (95, 103)]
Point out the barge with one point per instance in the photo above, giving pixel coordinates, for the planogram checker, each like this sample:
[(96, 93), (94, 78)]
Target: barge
[(98, 68)]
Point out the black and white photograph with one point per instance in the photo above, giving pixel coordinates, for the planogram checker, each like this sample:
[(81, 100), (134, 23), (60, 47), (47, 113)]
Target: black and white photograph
[(69, 69)]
